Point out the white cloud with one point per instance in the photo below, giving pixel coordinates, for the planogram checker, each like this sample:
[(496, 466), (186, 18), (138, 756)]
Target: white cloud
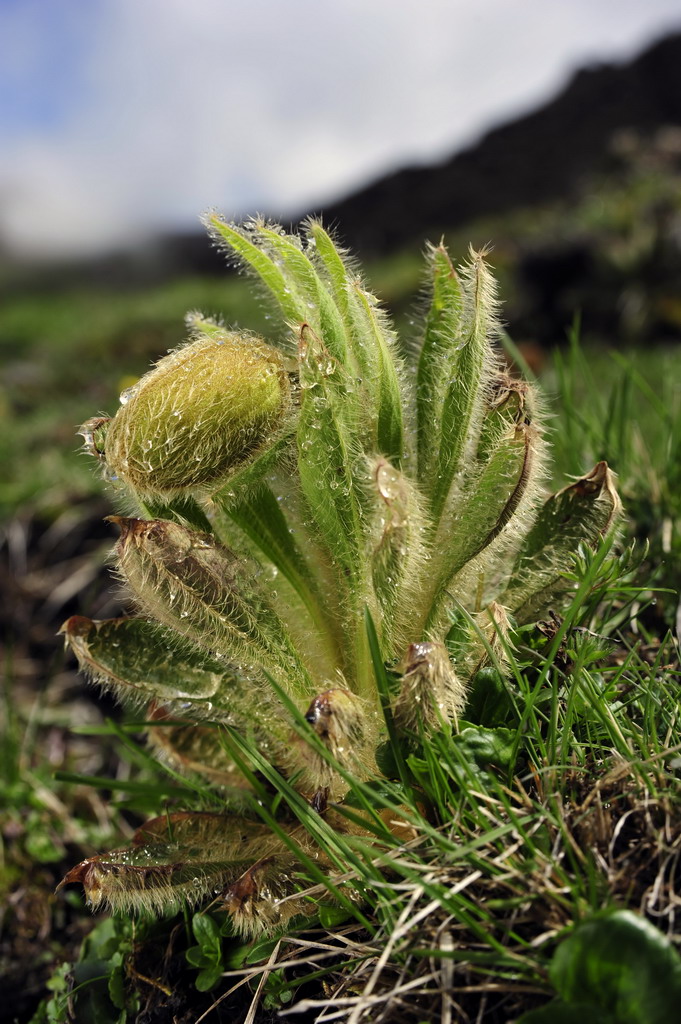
[(272, 104)]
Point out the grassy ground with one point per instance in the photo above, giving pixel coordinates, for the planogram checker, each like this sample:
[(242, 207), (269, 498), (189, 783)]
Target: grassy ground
[(555, 802)]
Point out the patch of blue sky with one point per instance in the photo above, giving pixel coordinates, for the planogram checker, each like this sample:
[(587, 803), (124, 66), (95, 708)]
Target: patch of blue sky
[(44, 62)]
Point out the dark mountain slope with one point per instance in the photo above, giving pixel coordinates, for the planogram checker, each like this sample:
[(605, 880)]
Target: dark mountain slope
[(542, 156)]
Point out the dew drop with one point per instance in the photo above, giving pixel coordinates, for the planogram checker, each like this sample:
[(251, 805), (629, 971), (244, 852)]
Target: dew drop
[(129, 393)]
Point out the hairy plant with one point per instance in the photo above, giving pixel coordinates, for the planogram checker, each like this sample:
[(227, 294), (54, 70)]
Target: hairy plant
[(303, 510)]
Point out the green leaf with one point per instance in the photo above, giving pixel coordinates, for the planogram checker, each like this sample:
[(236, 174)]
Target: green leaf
[(239, 242), (374, 345), (117, 982), (94, 1003), (145, 661), (261, 518), (331, 917), (397, 550), (372, 358), (260, 950), (336, 270), (250, 476), (469, 369), (207, 933), (489, 703), (205, 592), (183, 509), (196, 956), (440, 353), (175, 859), (384, 690), (201, 749), (138, 657), (487, 748), (479, 640), (320, 310), (330, 465), (581, 513), (208, 977), (483, 510), (623, 965)]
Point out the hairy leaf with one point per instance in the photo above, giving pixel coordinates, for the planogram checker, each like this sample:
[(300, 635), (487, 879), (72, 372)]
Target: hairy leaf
[(397, 546), (470, 371), (328, 454), (140, 658), (184, 857), (581, 513), (438, 360), (321, 311), (239, 242), (192, 584)]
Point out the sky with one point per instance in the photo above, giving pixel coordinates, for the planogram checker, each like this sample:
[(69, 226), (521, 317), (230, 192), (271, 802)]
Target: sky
[(122, 118)]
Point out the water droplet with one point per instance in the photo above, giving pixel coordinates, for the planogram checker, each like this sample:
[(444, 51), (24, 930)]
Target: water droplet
[(129, 393)]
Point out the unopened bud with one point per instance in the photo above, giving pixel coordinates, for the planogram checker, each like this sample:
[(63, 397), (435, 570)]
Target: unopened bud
[(338, 718), (262, 899), (202, 412), (431, 693), (342, 723), (478, 640)]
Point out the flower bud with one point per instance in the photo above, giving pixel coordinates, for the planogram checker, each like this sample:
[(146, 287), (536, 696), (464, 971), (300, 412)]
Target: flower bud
[(430, 692), (347, 730), (201, 413), (474, 641)]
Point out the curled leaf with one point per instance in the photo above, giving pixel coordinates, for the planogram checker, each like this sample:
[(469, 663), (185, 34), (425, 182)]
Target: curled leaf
[(138, 658), (194, 585), (173, 860), (582, 513)]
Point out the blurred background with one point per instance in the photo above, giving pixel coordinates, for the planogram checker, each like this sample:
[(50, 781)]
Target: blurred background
[(550, 128)]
